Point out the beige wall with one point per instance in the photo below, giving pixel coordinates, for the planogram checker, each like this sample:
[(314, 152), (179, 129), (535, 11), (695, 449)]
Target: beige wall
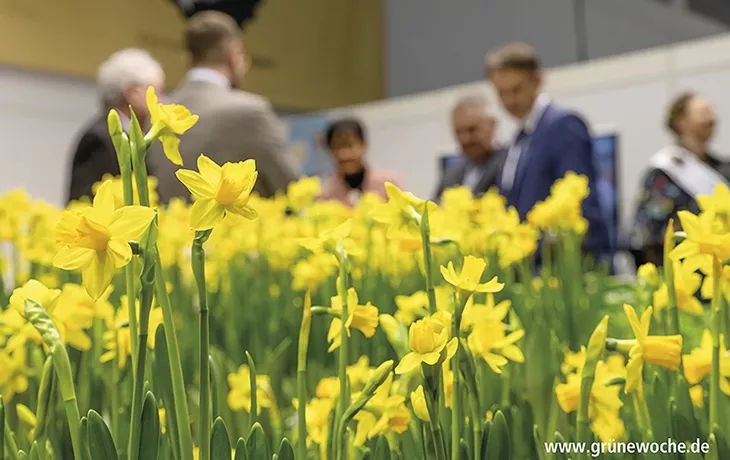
[(307, 55)]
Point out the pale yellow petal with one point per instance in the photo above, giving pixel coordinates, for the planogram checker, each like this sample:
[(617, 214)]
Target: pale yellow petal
[(119, 251), (408, 363), (73, 258), (210, 170), (195, 183), (98, 274), (206, 214), (130, 222), (171, 147)]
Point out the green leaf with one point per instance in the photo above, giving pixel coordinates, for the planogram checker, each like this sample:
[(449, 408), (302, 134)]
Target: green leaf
[(149, 441), (45, 400), (253, 387), (84, 429), (657, 403), (101, 444), (22, 455), (539, 445), (464, 449), (285, 450), (498, 445), (714, 451), (540, 372), (559, 439), (220, 442), (687, 427), (163, 384), (2, 429), (382, 449), (256, 444), (241, 453), (35, 451), (723, 450)]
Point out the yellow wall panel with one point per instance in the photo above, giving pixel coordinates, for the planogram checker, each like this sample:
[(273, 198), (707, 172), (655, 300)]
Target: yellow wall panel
[(308, 54)]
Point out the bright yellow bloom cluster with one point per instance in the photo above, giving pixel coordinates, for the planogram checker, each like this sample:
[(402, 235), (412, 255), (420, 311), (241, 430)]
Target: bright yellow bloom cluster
[(561, 211), (489, 338)]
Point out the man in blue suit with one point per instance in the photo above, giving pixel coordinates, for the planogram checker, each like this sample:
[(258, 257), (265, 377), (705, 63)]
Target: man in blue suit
[(550, 141)]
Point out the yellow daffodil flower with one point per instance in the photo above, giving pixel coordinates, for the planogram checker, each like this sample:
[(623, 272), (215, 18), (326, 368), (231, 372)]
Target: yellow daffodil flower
[(117, 338), (429, 344), (707, 283), (697, 394), (35, 290), (97, 240), (383, 413), (239, 397), (361, 317), (488, 340), (702, 242), (411, 307), (719, 204), (665, 351), (477, 313), (418, 401), (303, 192), (329, 239), (168, 121), (686, 284), (698, 363), (402, 212), (219, 189), (648, 273), (468, 281), (13, 380)]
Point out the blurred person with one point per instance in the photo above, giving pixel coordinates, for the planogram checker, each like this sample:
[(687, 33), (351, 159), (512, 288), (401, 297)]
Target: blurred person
[(482, 162), (122, 82), (234, 125), (550, 141), (677, 174), (353, 176)]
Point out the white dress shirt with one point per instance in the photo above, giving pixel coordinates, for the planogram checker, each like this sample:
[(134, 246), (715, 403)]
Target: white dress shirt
[(526, 126), (208, 75)]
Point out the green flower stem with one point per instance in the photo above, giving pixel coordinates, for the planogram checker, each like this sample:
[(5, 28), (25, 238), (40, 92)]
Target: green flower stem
[(124, 158), (643, 419), (304, 331), (435, 425), (594, 352), (135, 430), (173, 352), (427, 259), (476, 422), (6, 437), (115, 388), (672, 311), (37, 316), (456, 413), (198, 263), (716, 319), (344, 347)]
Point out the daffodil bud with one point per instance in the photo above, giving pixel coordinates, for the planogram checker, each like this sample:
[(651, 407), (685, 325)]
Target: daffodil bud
[(378, 377), (648, 272), (418, 400), (116, 132), (597, 342)]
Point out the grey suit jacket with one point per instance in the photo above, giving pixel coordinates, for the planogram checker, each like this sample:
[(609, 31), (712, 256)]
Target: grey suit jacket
[(234, 126), (454, 176)]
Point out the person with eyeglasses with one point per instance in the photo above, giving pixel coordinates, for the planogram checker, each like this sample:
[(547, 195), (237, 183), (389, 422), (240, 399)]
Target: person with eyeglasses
[(234, 125)]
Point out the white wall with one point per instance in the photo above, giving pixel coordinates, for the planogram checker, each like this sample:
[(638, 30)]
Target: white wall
[(627, 94), (435, 43), (40, 116)]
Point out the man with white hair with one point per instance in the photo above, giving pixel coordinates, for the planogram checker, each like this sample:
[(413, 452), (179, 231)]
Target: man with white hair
[(480, 162), (122, 81)]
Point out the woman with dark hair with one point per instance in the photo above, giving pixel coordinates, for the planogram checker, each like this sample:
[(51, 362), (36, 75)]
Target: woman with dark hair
[(352, 176), (677, 175)]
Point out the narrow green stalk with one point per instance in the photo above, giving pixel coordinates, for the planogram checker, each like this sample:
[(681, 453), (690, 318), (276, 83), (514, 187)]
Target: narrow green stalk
[(594, 352), (304, 331), (253, 386), (135, 429), (643, 419), (456, 415), (114, 388), (427, 259), (476, 423), (129, 271), (716, 319), (435, 424), (198, 264), (344, 347), (176, 373), (672, 311)]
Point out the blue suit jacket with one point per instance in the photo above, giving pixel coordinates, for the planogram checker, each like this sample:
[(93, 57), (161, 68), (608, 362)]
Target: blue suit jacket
[(559, 143)]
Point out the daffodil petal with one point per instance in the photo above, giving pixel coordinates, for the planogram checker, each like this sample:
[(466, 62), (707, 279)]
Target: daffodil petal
[(72, 258), (198, 186), (104, 203), (209, 169), (98, 274), (171, 147), (408, 363), (206, 214), (130, 222), (120, 252), (242, 209)]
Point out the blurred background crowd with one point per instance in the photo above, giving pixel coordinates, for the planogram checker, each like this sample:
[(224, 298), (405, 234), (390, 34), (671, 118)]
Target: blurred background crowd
[(492, 94)]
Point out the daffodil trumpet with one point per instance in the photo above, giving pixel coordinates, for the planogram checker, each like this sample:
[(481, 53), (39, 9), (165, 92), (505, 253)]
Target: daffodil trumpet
[(198, 265)]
